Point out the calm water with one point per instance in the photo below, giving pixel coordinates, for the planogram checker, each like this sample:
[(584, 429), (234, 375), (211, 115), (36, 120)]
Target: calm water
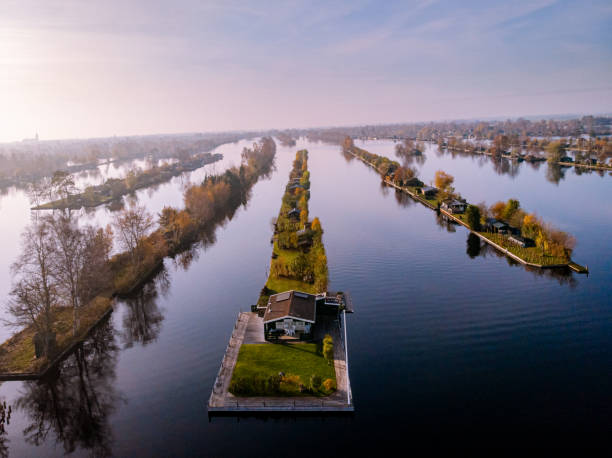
[(450, 343)]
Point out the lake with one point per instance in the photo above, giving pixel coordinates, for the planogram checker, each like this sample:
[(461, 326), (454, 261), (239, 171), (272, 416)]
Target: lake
[(450, 343)]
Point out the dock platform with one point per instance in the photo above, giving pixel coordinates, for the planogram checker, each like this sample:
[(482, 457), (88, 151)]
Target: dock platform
[(223, 402)]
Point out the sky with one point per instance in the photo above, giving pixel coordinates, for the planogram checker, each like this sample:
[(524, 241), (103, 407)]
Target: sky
[(76, 69)]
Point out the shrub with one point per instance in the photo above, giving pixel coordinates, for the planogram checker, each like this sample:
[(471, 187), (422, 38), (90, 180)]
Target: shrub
[(329, 385), (315, 382), (328, 349)]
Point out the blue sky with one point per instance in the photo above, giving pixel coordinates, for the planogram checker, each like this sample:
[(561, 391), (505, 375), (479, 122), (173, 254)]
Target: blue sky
[(78, 69)]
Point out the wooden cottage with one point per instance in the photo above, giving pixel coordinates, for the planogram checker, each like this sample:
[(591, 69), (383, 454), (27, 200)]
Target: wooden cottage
[(429, 192), (454, 206)]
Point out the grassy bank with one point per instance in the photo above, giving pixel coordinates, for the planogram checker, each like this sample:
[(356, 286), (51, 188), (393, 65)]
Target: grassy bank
[(17, 354), (259, 365)]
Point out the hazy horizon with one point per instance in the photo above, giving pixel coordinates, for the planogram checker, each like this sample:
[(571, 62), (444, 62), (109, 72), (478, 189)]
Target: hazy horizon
[(75, 70)]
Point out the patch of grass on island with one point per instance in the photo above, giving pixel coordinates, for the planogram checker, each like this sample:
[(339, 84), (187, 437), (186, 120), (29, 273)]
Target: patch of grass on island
[(533, 255), (259, 365)]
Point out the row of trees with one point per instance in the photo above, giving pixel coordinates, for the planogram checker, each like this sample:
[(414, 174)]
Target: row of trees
[(389, 170), (479, 130)]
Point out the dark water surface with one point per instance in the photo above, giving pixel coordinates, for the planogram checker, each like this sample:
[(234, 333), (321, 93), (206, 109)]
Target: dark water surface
[(450, 343)]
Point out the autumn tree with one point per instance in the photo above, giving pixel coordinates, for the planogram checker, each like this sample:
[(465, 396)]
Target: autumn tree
[(347, 144), (443, 181), (497, 210), (132, 224), (554, 151)]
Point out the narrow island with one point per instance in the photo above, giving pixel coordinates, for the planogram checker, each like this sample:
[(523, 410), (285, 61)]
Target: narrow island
[(505, 225), (65, 279), (114, 188), (288, 354)]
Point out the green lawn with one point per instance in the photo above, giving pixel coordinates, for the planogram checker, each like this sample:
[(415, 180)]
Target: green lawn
[(285, 284), (298, 359)]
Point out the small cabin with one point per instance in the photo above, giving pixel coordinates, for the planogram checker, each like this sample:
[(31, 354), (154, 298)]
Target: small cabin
[(413, 182), (523, 242), (291, 314), (293, 213), (454, 206), (496, 226), (429, 192)]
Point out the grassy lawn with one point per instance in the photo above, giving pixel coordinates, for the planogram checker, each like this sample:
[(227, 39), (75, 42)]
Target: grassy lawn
[(17, 353), (299, 359), (280, 284)]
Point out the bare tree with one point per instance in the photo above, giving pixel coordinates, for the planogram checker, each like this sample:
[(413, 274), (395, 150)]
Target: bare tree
[(132, 225), (36, 290), (68, 260), (96, 274)]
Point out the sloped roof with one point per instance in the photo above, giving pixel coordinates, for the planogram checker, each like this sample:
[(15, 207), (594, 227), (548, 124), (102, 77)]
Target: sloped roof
[(291, 303)]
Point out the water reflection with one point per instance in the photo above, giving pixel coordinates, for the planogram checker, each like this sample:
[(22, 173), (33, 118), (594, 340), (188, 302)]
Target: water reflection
[(5, 420), (444, 222), (73, 404), (555, 173), (403, 199), (143, 318)]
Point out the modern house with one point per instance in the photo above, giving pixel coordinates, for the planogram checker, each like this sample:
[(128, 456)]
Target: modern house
[(454, 206), (293, 314), (429, 192)]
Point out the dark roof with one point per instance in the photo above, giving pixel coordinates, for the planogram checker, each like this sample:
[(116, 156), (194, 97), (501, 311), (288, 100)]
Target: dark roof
[(291, 303), (293, 211), (454, 202), (429, 189)]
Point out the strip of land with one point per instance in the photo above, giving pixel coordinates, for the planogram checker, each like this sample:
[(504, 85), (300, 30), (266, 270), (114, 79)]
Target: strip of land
[(428, 196), (289, 353), (115, 188)]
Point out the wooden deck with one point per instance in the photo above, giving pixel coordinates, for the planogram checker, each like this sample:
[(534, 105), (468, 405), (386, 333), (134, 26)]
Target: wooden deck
[(221, 401)]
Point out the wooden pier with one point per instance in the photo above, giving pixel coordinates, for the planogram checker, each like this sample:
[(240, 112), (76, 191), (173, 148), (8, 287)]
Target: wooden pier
[(221, 401)]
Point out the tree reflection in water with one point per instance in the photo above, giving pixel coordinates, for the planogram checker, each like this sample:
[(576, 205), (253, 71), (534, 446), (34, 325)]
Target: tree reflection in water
[(444, 222), (74, 402), (143, 318), (5, 420), (403, 199)]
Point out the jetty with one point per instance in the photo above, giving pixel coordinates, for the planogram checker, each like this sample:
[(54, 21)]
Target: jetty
[(246, 330)]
